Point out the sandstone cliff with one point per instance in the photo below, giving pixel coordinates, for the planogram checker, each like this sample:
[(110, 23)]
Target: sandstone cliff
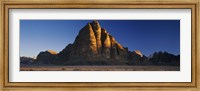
[(94, 44)]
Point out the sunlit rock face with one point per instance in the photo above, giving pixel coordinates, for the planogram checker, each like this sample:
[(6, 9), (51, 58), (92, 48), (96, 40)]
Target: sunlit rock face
[(97, 31), (105, 39), (52, 52), (138, 53), (85, 44)]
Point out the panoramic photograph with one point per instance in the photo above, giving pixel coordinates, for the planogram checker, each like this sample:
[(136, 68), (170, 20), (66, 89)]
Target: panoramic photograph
[(99, 45)]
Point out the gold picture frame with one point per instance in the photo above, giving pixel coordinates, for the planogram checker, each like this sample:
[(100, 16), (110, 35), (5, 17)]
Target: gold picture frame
[(154, 86)]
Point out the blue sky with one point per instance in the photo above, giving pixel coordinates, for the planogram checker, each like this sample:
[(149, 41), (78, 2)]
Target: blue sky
[(148, 36)]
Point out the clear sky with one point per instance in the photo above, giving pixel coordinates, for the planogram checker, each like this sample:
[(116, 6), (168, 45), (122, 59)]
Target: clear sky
[(148, 36)]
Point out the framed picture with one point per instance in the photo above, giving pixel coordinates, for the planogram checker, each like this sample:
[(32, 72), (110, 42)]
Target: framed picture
[(100, 45)]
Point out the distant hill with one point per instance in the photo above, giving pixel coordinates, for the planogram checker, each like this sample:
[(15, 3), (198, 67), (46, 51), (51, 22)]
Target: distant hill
[(95, 46), (164, 58), (26, 60)]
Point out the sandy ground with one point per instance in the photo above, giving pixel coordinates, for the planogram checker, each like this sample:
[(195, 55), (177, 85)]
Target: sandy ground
[(100, 68)]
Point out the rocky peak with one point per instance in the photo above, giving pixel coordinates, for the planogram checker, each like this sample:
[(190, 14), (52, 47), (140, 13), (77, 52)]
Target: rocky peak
[(85, 43), (46, 57), (94, 41), (165, 58), (139, 53), (95, 25)]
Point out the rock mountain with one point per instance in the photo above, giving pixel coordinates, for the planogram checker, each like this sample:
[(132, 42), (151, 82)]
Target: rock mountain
[(95, 46)]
